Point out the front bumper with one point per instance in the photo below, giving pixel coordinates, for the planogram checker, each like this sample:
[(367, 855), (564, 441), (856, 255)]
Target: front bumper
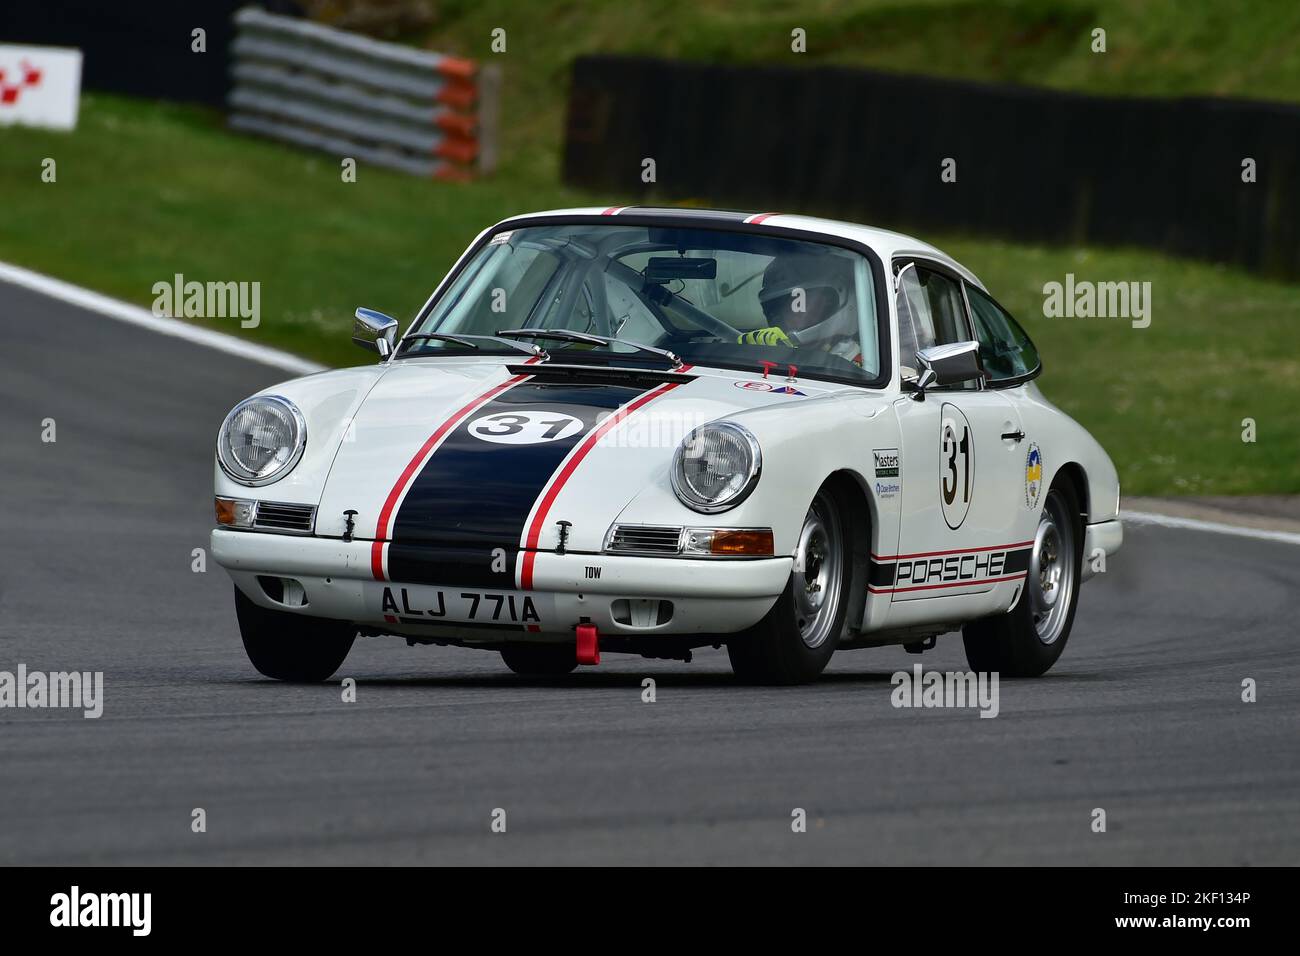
[(1103, 538), (708, 596)]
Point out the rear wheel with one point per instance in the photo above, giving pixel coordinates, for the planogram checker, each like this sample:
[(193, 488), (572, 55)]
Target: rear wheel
[(795, 639), (292, 647), (1027, 640), (540, 660)]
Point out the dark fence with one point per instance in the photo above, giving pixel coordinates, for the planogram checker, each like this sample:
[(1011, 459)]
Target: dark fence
[(1031, 164)]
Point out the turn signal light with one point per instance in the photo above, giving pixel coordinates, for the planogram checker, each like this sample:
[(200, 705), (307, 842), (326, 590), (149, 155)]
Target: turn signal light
[(728, 542), (235, 512), (751, 542)]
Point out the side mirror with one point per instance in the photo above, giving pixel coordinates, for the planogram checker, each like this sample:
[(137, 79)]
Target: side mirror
[(948, 365), (375, 331)]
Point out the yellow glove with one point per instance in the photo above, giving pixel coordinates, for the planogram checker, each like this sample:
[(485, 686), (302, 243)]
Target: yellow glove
[(768, 336)]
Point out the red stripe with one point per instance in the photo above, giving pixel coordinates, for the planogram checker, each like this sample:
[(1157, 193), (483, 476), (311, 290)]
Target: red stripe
[(386, 513), (931, 554), (953, 584), (613, 210), (755, 220), (570, 466)]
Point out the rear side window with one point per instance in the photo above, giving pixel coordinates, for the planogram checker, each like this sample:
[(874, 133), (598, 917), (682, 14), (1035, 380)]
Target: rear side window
[(1008, 354)]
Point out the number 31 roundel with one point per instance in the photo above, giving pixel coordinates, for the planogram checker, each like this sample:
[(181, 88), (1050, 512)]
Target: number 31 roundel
[(956, 465), (524, 428)]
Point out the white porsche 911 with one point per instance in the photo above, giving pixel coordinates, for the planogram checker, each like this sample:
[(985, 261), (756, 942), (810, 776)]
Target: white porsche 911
[(652, 430)]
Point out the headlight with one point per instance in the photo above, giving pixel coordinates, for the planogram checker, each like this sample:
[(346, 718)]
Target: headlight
[(261, 439), (716, 467)]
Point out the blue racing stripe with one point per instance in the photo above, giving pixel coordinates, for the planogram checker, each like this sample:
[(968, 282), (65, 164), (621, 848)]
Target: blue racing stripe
[(473, 496)]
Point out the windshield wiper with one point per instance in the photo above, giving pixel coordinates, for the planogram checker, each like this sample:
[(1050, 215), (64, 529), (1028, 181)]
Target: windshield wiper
[(471, 341), (586, 338)]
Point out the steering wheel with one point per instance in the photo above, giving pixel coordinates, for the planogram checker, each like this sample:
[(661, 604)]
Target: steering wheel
[(707, 321)]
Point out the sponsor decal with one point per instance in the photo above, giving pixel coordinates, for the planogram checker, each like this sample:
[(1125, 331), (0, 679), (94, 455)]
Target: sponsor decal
[(754, 386), (501, 238), (787, 390), (956, 465), (948, 569), (887, 489), (524, 428), (886, 461), (1033, 475)]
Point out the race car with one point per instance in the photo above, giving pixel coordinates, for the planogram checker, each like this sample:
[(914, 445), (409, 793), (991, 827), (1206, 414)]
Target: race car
[(650, 431)]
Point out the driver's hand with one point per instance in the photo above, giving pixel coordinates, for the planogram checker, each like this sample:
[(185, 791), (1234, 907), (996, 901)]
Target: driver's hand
[(769, 336)]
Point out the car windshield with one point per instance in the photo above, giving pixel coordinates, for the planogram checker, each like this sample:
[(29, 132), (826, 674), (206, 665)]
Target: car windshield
[(713, 297)]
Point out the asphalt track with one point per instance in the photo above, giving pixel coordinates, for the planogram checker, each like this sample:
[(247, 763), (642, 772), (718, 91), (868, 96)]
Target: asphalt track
[(1142, 716)]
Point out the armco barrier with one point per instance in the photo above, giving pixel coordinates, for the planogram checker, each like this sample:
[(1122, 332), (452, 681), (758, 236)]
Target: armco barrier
[(1035, 165), (382, 103)]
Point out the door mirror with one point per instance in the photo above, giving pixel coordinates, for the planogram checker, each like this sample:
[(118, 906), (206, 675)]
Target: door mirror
[(949, 364), (375, 331)]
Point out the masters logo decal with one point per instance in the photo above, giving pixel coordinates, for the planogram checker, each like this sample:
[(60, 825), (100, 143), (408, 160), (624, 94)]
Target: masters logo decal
[(1033, 475), (886, 461)]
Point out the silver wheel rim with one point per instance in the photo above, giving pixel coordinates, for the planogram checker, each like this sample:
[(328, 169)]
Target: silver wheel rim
[(817, 585), (1051, 570)]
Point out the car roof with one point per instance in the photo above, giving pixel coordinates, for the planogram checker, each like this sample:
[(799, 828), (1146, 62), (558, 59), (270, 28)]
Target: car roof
[(885, 243)]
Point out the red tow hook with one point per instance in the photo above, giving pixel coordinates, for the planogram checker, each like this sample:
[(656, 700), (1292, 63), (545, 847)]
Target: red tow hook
[(588, 644)]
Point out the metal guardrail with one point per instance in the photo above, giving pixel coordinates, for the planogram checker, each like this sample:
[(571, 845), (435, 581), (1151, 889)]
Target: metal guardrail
[(381, 103)]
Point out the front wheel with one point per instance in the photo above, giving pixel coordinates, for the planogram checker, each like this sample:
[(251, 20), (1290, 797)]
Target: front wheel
[(292, 647), (1027, 640), (795, 639)]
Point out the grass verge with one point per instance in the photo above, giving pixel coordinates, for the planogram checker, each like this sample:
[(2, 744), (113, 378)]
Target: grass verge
[(148, 190)]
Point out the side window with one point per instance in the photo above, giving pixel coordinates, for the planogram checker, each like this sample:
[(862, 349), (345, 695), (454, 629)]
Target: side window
[(1004, 347), (930, 312)]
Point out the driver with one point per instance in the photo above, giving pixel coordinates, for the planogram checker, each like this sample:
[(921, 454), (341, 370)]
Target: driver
[(804, 298)]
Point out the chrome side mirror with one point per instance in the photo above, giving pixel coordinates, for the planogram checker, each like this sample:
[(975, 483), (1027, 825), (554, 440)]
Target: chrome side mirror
[(949, 364), (375, 331)]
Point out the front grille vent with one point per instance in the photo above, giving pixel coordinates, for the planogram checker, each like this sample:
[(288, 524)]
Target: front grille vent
[(644, 539), (278, 516)]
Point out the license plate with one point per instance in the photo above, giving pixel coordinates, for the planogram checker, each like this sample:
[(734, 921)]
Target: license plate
[(418, 604)]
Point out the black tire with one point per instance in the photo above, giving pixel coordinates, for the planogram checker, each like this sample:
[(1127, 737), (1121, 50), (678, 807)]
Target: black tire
[(540, 660), (1010, 644), (292, 647), (774, 651)]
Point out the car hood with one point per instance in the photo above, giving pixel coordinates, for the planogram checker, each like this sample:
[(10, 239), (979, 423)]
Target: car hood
[(470, 460)]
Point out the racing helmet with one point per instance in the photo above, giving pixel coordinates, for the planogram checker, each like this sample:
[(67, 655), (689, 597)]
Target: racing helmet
[(801, 270)]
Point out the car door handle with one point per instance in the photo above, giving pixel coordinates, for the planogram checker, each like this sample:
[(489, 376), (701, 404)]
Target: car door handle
[(1013, 436)]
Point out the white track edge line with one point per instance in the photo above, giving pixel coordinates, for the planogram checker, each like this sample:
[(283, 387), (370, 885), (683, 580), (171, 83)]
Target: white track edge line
[(137, 315), (1215, 527)]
